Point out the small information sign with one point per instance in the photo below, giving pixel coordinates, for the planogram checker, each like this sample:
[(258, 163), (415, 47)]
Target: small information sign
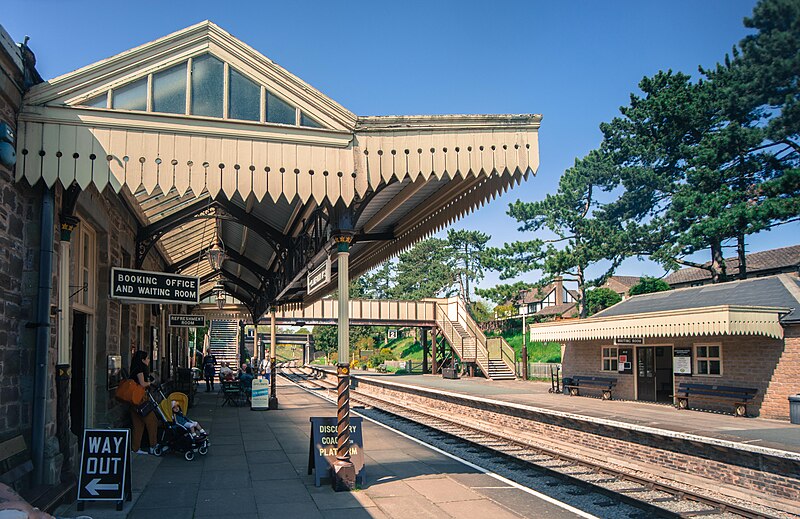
[(187, 321), (322, 448), (392, 333), (105, 466), (144, 286), (682, 361), (628, 341), (259, 398), (318, 277)]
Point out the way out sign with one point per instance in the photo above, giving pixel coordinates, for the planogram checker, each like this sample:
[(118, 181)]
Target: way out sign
[(105, 466)]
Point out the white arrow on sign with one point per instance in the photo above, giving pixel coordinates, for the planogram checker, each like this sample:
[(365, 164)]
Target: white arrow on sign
[(95, 485)]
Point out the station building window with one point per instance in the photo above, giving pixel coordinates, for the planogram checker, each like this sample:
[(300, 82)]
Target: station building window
[(708, 359), (86, 271), (610, 359)]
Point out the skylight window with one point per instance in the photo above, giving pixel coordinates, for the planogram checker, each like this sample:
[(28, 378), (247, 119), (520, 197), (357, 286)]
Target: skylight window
[(208, 86), (244, 98), (169, 90), (131, 97)]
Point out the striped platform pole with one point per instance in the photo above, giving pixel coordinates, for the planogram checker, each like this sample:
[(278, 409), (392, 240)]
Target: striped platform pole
[(344, 473), (273, 373)]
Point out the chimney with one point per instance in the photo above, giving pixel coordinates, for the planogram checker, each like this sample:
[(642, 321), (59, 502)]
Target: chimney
[(559, 283)]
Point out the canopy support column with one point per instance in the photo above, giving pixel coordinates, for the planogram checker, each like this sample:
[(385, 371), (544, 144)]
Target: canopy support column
[(273, 396), (344, 473)]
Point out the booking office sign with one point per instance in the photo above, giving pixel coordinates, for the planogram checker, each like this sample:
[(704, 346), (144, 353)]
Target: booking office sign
[(142, 286)]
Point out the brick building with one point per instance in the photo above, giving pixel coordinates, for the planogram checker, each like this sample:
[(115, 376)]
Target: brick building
[(86, 331), (621, 284), (742, 333)]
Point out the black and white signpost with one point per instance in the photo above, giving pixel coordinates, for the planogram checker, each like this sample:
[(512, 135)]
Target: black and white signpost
[(142, 286), (105, 467)]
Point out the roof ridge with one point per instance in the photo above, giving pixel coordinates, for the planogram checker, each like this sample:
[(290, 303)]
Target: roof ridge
[(790, 285)]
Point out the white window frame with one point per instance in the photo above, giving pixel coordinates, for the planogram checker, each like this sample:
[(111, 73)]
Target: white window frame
[(614, 357), (86, 232), (697, 359)]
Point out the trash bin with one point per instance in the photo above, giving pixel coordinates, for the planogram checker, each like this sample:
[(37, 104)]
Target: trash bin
[(794, 409)]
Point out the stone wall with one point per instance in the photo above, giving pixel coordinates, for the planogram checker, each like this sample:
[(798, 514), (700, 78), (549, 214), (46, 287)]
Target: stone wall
[(771, 366)]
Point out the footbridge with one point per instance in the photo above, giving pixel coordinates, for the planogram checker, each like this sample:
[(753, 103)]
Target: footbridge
[(448, 318)]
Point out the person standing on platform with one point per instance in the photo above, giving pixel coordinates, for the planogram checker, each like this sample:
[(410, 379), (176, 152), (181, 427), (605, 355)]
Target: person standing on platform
[(209, 361), (140, 373), (264, 368)]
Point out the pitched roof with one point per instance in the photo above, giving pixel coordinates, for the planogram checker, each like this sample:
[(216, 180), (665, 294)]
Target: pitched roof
[(564, 309), (782, 291), (534, 295), (627, 281), (756, 261)]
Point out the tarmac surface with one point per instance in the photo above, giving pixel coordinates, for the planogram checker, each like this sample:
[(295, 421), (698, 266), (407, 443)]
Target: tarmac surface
[(257, 467), (773, 434)]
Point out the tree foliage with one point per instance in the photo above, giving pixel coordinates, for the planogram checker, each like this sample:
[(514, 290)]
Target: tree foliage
[(467, 258), (424, 271), (584, 237), (601, 298), (649, 285), (503, 293)]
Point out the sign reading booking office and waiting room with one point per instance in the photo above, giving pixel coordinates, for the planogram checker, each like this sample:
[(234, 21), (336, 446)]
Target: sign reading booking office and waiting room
[(143, 286)]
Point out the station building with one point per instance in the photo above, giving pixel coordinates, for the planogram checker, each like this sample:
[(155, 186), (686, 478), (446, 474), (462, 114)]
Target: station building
[(741, 334), (190, 145)]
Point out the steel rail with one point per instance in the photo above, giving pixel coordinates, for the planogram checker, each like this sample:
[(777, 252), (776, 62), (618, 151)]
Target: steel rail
[(679, 494)]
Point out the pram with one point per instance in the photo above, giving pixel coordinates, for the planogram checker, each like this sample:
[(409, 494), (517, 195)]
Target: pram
[(173, 436)]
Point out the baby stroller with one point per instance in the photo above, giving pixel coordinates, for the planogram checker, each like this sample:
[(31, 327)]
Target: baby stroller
[(173, 436)]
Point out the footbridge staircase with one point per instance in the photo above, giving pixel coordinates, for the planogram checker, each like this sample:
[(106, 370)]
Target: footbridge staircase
[(492, 355), (224, 342)]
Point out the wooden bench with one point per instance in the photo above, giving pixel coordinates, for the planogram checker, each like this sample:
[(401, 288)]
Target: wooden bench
[(739, 396), (16, 465), (604, 384)]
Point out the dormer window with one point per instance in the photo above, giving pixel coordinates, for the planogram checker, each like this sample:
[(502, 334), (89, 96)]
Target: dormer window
[(213, 89)]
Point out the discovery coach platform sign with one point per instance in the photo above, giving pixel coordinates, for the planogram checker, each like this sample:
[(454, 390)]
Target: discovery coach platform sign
[(143, 286)]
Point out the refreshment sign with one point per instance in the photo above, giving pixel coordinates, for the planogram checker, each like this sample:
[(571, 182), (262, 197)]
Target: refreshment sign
[(322, 447), (186, 321), (143, 286), (319, 277), (105, 466)]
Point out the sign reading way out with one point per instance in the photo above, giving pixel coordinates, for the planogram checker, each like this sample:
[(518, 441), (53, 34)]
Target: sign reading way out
[(322, 450), (154, 287), (105, 465)]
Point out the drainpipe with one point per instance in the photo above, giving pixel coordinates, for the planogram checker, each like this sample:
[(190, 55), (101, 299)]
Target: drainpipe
[(42, 336)]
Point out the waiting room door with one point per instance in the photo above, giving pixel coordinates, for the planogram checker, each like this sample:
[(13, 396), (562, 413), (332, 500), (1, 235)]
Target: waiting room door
[(654, 373), (77, 396)]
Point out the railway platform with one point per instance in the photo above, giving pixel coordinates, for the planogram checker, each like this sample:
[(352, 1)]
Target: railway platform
[(749, 433), (257, 467)]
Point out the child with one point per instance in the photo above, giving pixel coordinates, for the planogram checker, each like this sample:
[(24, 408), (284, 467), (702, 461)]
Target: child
[(194, 428)]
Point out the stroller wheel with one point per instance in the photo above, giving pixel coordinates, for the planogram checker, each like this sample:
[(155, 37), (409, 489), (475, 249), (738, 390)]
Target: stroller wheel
[(158, 450), (189, 455), (203, 450)]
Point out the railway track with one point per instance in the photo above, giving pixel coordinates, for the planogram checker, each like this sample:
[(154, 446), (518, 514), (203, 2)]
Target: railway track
[(651, 497)]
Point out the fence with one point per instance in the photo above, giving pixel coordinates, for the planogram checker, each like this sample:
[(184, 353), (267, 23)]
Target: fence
[(538, 369)]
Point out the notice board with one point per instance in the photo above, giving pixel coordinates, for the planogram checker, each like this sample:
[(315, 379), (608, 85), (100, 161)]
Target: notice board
[(259, 396), (322, 448), (105, 473)]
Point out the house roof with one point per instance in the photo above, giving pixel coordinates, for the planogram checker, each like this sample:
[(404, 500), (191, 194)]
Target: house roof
[(627, 281), (756, 261), (564, 309), (782, 291), (534, 295)]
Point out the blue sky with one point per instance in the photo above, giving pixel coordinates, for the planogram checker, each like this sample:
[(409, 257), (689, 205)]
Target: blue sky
[(574, 62)]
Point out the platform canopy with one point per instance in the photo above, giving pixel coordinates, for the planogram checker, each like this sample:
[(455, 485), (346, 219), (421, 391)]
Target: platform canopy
[(688, 322), (198, 131)]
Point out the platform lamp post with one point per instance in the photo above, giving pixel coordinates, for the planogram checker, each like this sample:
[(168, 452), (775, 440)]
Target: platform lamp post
[(524, 313), (344, 472), (273, 370)]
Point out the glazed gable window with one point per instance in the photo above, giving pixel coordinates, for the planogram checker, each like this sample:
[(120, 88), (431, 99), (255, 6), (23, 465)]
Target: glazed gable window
[(205, 86), (708, 359), (610, 359)]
